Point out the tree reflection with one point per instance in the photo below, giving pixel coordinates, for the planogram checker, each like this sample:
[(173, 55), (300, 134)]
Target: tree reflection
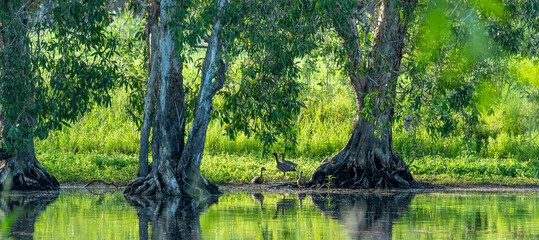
[(170, 218), (24, 208), (365, 216)]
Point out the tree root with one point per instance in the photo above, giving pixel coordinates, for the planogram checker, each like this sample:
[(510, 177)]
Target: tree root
[(195, 187), (89, 184), (26, 178), (350, 174)]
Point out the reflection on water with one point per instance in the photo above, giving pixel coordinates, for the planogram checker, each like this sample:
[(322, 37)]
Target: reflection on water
[(20, 210), (365, 216), (284, 204), (78, 214), (170, 218)]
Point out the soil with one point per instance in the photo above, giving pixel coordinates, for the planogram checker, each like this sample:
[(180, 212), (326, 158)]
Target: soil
[(421, 187)]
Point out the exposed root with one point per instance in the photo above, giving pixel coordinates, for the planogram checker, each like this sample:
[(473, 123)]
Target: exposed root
[(31, 177), (141, 186), (197, 187), (96, 181), (361, 174)]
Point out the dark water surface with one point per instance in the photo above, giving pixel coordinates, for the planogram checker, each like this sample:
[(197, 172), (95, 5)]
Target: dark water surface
[(79, 214)]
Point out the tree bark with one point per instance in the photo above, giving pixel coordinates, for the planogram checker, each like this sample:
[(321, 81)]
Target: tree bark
[(19, 167), (169, 122), (368, 159), (153, 46), (22, 171), (175, 168), (212, 80)]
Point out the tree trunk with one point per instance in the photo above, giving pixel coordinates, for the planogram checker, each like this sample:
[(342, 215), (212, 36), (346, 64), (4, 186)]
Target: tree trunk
[(19, 168), (211, 83), (368, 159), (153, 46), (22, 171), (175, 168), (169, 122)]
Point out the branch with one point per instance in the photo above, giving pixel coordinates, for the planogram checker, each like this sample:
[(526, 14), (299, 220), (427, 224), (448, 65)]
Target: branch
[(141, 4), (206, 38), (469, 14)]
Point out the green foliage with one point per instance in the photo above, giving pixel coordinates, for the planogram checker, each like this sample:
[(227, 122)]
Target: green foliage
[(59, 66), (232, 168), (475, 167), (74, 61), (271, 37), (131, 58), (461, 74), (491, 115), (329, 181)]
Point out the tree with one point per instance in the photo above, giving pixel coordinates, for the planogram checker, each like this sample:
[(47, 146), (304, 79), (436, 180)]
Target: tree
[(176, 162), (368, 159), (55, 65), (237, 30)]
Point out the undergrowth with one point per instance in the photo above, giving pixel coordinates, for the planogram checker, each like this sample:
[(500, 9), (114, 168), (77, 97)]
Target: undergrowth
[(104, 143)]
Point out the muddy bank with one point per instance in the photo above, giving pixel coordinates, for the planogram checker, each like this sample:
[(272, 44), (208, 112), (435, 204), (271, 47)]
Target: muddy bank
[(421, 187)]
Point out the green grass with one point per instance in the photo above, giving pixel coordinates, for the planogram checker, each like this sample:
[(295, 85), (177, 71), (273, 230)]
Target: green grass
[(70, 167), (104, 143)]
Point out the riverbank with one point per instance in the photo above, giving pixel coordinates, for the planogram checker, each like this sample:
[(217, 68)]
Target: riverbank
[(291, 187), (421, 187), (225, 169)]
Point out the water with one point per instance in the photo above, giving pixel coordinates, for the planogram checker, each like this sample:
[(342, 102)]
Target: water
[(79, 214)]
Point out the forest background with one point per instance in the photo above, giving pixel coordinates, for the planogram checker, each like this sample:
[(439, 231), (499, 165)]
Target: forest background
[(480, 128)]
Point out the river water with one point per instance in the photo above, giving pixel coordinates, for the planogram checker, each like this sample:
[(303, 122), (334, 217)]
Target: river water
[(81, 214)]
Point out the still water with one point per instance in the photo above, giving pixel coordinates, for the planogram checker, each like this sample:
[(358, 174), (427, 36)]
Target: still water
[(80, 214)]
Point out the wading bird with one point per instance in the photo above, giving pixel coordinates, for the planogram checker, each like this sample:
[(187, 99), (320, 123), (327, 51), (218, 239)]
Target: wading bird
[(259, 179), (283, 167), (301, 181)]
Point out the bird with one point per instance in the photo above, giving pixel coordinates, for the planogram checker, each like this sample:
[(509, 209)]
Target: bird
[(283, 167), (301, 181), (259, 179), (288, 162)]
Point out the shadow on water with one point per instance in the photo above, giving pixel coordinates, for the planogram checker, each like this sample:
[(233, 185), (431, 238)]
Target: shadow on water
[(170, 218), (365, 216), (21, 209)]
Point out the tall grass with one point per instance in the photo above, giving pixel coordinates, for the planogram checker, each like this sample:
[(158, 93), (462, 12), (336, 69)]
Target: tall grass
[(106, 139)]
